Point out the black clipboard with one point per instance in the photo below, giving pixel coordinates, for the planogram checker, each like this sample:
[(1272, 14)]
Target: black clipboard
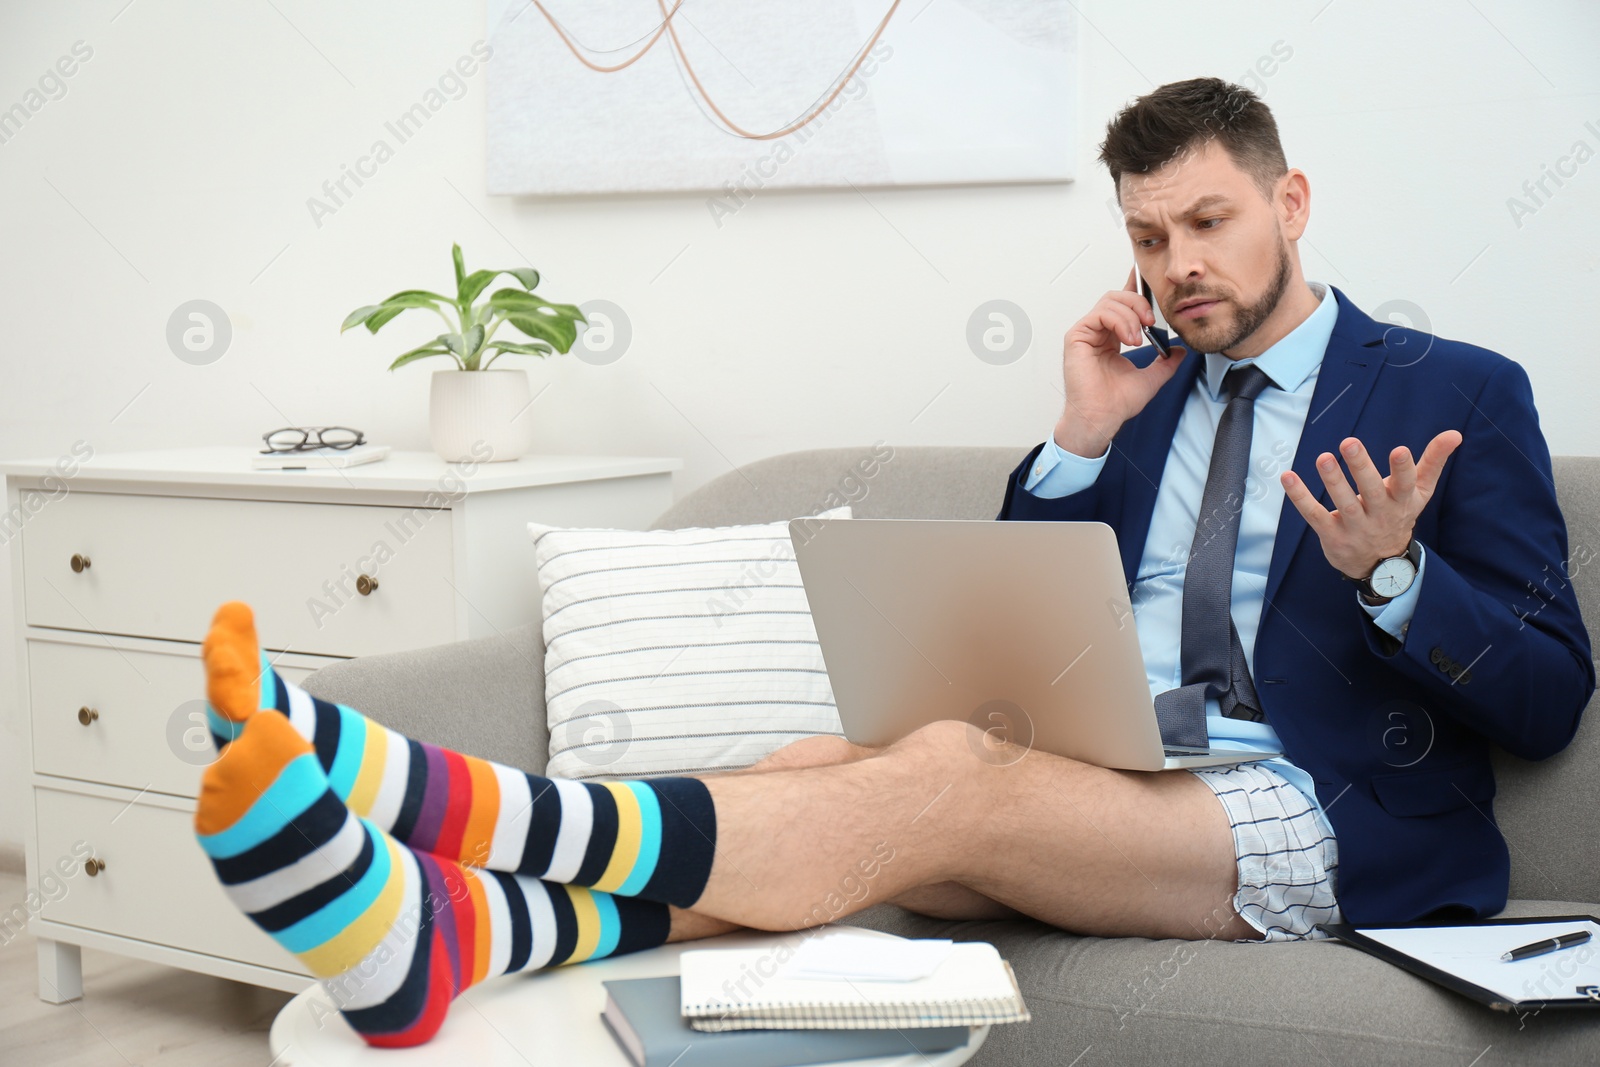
[(1352, 936)]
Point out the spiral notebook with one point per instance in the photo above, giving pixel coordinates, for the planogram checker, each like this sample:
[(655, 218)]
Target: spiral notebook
[(742, 989), (642, 1014)]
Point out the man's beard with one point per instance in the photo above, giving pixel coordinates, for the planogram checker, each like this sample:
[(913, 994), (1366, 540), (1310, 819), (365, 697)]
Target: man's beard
[(1250, 318)]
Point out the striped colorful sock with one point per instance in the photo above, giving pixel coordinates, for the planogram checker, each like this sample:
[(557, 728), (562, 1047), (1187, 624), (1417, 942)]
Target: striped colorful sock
[(653, 838), (394, 934)]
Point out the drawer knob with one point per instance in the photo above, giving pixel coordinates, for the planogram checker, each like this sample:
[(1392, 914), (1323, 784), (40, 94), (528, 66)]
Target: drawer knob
[(80, 563), (87, 715), (365, 585), (93, 866)]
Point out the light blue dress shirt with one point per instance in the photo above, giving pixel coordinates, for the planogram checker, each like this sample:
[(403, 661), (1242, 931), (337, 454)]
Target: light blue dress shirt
[(1157, 593)]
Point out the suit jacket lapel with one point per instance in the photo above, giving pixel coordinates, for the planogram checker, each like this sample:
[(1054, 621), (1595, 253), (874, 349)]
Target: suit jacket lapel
[(1349, 369)]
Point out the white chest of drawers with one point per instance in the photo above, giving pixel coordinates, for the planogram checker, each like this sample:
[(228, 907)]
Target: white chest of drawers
[(118, 563)]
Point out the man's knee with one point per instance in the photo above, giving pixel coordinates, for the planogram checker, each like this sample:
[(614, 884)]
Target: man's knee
[(943, 737), (826, 748), (815, 751), (962, 745)]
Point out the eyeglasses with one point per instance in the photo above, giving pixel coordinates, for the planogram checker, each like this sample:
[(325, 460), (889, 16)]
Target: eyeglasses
[(306, 438)]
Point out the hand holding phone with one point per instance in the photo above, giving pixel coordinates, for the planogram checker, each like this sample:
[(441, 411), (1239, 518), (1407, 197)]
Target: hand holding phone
[(1103, 387)]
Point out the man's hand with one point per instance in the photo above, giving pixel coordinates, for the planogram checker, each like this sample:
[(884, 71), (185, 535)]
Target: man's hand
[(1103, 389), (1377, 522)]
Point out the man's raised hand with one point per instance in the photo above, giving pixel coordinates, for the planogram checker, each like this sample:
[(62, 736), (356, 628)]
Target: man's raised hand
[(1374, 520)]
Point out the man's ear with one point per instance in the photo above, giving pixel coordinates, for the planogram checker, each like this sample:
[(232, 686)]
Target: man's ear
[(1294, 203)]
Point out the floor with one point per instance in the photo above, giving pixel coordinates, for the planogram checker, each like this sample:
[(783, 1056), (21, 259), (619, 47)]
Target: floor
[(132, 1012)]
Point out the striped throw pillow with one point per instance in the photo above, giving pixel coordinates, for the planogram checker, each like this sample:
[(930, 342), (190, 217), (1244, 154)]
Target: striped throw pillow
[(677, 651)]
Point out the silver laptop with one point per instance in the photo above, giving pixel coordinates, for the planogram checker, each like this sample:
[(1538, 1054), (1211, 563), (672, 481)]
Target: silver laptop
[(1024, 629)]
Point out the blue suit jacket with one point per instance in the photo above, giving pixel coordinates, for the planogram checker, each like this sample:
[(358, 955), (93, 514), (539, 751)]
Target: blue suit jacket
[(1396, 735)]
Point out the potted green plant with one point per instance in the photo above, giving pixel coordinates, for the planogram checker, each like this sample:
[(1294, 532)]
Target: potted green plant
[(474, 402)]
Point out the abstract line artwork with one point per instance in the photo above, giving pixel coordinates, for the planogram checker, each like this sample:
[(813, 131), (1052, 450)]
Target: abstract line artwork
[(730, 96)]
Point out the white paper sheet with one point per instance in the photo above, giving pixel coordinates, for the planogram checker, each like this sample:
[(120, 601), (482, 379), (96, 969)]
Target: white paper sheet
[(749, 978), (867, 959), (1472, 953)]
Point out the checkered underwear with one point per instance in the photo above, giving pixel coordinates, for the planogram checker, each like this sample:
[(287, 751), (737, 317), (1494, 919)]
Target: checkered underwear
[(1286, 851)]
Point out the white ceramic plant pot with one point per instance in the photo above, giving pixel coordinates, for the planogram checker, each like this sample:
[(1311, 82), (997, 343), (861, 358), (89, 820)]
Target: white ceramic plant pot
[(468, 407)]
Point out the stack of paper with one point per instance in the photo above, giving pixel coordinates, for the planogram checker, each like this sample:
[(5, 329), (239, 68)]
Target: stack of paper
[(848, 979), (642, 1014), (839, 956)]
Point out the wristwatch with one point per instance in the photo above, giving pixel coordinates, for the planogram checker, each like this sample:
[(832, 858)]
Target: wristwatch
[(1391, 577)]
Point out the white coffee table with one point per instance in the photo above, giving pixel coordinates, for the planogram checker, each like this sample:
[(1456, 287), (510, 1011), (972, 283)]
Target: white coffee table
[(544, 1017)]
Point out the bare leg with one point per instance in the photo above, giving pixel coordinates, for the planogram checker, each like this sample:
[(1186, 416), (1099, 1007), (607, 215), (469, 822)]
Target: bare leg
[(816, 751), (691, 925), (944, 900), (1080, 847), (952, 900)]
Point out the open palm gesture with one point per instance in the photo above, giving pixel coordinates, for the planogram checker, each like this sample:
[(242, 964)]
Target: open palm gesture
[(1373, 520)]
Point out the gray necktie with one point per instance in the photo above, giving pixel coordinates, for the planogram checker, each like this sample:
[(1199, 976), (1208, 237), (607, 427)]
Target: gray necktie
[(1214, 665)]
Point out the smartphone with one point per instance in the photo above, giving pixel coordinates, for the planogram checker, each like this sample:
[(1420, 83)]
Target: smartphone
[(1158, 334)]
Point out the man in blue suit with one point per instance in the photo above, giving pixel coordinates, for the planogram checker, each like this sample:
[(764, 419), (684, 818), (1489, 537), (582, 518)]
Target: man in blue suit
[(1380, 631), (1394, 628)]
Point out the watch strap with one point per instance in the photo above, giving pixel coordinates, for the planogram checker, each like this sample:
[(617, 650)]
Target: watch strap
[(1372, 601)]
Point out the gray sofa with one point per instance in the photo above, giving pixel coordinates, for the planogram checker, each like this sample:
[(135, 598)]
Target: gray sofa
[(1098, 1000)]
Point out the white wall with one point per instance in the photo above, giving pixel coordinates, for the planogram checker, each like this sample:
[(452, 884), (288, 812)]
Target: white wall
[(179, 162)]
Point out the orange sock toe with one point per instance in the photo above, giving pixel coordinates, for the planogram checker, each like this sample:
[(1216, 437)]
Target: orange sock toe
[(233, 662), (231, 785)]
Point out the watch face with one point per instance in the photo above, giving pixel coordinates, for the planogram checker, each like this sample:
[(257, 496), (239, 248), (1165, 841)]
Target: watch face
[(1392, 577)]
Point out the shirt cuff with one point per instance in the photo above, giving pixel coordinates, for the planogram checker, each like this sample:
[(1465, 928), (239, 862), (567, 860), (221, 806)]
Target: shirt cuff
[(1058, 473), (1394, 617)]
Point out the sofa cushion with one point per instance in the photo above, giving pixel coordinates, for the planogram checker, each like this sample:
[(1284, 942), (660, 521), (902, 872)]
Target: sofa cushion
[(1138, 1000), (677, 651), (879, 481)]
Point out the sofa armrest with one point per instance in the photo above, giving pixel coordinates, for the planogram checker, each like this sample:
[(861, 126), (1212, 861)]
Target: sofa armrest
[(483, 697)]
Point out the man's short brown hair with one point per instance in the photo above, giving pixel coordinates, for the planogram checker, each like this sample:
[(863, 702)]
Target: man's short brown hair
[(1185, 116)]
